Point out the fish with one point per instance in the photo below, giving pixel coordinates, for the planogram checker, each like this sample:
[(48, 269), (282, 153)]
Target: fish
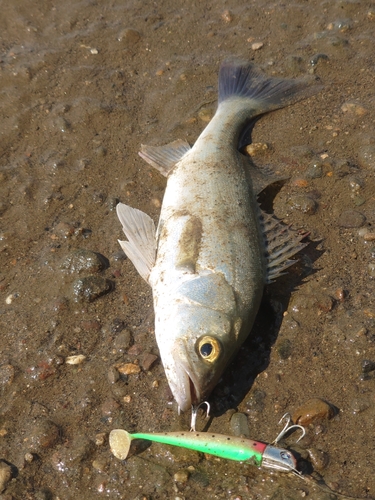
[(235, 448), (214, 249)]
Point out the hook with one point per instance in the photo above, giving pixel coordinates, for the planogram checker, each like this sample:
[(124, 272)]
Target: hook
[(288, 427), (194, 414)]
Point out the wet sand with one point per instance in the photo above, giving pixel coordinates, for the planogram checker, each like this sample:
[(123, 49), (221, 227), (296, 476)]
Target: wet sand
[(82, 85)]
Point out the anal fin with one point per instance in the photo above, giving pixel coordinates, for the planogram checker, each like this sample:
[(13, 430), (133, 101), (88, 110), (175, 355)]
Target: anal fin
[(281, 244), (139, 229), (164, 158)]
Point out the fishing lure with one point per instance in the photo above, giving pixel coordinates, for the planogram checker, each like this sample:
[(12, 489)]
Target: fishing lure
[(257, 453)]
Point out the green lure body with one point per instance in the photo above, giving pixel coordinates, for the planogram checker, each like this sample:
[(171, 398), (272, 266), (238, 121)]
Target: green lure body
[(229, 447)]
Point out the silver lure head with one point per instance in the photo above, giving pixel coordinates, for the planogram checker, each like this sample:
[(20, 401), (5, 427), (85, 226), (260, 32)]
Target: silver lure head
[(279, 459)]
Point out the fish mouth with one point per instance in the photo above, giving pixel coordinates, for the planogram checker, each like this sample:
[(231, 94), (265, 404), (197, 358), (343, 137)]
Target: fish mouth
[(187, 393)]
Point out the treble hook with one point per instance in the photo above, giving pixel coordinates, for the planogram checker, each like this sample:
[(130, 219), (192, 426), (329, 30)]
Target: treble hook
[(288, 427), (194, 414)]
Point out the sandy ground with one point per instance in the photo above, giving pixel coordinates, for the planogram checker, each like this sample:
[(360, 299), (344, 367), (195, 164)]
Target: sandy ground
[(82, 85)]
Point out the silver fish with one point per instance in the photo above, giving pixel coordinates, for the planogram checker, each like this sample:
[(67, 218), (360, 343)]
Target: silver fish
[(214, 250)]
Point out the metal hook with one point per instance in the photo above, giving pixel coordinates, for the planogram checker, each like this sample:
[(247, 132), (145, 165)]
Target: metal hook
[(194, 414), (288, 427)]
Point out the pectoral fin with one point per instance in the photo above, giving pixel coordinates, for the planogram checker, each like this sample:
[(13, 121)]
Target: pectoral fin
[(139, 229), (164, 158)]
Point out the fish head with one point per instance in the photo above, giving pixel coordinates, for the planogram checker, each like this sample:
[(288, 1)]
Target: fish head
[(203, 343)]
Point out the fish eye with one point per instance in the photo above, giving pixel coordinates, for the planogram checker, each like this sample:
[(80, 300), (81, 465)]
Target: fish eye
[(209, 348)]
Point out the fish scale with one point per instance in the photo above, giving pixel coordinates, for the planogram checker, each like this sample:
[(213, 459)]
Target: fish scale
[(213, 250)]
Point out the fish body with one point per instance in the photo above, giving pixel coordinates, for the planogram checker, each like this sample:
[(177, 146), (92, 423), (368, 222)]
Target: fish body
[(214, 250)]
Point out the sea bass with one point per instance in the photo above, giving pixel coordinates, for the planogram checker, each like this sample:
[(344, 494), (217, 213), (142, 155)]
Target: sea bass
[(213, 250)]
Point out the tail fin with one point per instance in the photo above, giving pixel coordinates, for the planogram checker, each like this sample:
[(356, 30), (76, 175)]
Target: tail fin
[(242, 79)]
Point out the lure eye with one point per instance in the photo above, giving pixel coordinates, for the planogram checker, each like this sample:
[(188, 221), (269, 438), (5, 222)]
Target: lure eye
[(209, 348)]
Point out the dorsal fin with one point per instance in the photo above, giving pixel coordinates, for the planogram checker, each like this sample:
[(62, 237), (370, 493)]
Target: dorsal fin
[(164, 158)]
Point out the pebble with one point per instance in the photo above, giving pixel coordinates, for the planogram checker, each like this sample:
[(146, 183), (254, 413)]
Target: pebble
[(313, 410), (109, 407), (284, 348), (257, 45), (226, 16), (256, 149), (118, 325), (366, 156), (351, 219), (91, 288), (77, 359), (43, 434), (303, 203), (6, 374), (239, 425), (317, 58), (353, 108), (368, 366), (181, 476), (129, 36), (5, 475), (123, 341), (319, 459), (148, 360), (128, 369), (314, 170), (86, 261), (113, 375), (359, 405), (68, 457)]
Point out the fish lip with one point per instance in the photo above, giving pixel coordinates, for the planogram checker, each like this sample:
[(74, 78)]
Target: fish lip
[(190, 394)]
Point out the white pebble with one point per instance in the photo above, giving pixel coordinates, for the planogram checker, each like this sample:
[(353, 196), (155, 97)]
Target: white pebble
[(94, 51), (75, 360), (257, 45)]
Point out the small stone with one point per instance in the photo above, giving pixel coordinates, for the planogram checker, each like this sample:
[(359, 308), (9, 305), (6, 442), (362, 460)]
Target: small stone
[(109, 407), (351, 219), (369, 236), (129, 36), (319, 459), (368, 366), (257, 45), (6, 374), (129, 369), (205, 114), (147, 361), (118, 325), (78, 359), (314, 410), (366, 156), (5, 475), (99, 465), (240, 425), (314, 170), (113, 375), (29, 457), (354, 108), (256, 149), (91, 288), (226, 16), (100, 438), (284, 348), (86, 261), (303, 203), (181, 476), (358, 405), (123, 341), (43, 434), (317, 58)]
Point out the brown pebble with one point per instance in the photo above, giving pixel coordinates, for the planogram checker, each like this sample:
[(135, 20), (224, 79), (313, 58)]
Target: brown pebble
[(148, 360), (351, 218), (313, 410), (109, 407), (227, 16), (324, 302), (135, 350), (319, 459), (113, 375), (91, 325), (5, 475), (100, 438), (43, 434), (129, 36), (340, 294), (369, 236), (129, 369)]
